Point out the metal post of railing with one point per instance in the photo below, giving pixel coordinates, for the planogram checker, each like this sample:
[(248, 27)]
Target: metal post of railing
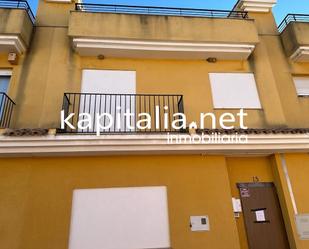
[(6, 110)]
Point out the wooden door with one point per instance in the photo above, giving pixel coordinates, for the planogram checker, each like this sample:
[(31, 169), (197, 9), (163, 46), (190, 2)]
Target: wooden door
[(263, 217)]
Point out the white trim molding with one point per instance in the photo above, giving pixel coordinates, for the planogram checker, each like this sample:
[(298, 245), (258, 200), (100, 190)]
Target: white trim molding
[(12, 43), (87, 145), (256, 5), (161, 49), (301, 54)]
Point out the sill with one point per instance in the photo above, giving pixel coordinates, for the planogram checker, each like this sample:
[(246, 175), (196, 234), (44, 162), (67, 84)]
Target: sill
[(237, 109)]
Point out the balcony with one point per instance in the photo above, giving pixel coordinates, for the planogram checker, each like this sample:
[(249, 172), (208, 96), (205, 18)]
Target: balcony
[(295, 36), (6, 110), (161, 33), (16, 25), (85, 107)]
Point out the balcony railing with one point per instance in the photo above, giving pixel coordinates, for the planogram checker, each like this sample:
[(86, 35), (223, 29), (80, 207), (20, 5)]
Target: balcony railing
[(161, 109), (6, 110), (162, 11), (22, 4), (292, 18)]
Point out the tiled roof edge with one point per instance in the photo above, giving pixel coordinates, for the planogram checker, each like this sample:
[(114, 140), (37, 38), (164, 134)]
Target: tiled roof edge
[(255, 131), (25, 132)]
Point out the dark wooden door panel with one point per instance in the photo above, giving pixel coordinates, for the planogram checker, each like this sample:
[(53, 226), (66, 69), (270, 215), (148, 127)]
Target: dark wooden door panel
[(263, 217)]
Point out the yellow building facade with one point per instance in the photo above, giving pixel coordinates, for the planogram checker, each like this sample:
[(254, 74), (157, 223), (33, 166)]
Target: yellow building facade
[(76, 57)]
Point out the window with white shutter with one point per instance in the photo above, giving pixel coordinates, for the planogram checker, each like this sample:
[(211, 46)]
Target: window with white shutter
[(302, 86), (234, 90), (123, 218)]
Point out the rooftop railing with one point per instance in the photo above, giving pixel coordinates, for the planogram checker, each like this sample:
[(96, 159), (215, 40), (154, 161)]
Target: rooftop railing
[(161, 109), (22, 4), (292, 18), (6, 110), (163, 11)]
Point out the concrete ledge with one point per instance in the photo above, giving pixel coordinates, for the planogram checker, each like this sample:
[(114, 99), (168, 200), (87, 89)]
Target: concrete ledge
[(16, 28), (95, 29), (85, 145), (161, 50), (295, 39)]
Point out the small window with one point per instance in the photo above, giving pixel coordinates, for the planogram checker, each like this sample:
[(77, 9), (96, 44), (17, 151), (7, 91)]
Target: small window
[(234, 90), (302, 86), (123, 218)]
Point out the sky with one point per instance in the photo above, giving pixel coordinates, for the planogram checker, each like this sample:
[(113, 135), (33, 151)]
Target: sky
[(282, 8)]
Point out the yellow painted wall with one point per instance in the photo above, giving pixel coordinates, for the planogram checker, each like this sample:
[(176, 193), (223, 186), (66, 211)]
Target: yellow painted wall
[(36, 196)]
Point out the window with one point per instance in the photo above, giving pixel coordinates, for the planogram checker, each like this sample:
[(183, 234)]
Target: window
[(123, 218), (302, 86), (234, 90)]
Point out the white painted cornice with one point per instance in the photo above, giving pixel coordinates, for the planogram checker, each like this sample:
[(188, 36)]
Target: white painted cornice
[(12, 43), (84, 145), (161, 49), (256, 5), (301, 54)]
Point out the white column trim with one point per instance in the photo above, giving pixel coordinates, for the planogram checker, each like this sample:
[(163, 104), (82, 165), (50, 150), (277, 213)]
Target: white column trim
[(256, 5), (288, 181)]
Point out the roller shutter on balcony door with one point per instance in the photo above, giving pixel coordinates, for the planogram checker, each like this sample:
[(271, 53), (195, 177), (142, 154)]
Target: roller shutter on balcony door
[(112, 83), (4, 85), (120, 218), (234, 90), (302, 86)]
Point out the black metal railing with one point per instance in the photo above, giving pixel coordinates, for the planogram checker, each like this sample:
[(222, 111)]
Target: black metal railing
[(164, 11), (292, 18), (160, 108), (6, 110), (21, 4)]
